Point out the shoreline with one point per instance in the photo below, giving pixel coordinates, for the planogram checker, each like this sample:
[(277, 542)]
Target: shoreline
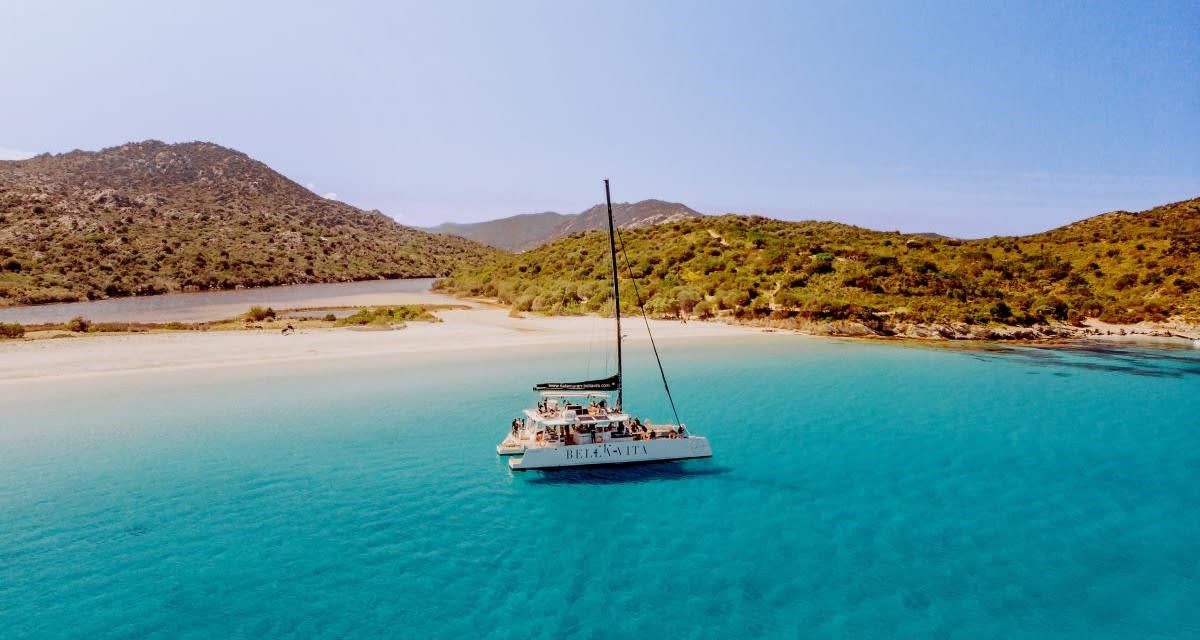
[(459, 331), (938, 332), (461, 325), (165, 312), (477, 327)]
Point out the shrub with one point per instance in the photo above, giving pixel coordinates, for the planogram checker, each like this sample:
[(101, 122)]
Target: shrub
[(387, 316), (258, 314), (821, 263), (688, 298), (78, 324), (329, 317), (1125, 281), (11, 330), (1001, 311), (662, 306)]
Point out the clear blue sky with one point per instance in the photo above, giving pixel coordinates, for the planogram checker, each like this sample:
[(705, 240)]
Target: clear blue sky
[(959, 117)]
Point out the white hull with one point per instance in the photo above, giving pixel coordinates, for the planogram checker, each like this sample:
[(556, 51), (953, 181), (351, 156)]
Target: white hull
[(610, 453), (510, 447)]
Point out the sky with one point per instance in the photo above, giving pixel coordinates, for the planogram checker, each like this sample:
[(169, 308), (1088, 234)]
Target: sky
[(969, 119)]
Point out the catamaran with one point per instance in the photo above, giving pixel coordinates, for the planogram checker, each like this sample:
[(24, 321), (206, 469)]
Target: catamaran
[(584, 423)]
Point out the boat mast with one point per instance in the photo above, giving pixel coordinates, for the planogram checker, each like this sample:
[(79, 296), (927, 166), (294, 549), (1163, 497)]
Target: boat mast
[(612, 250)]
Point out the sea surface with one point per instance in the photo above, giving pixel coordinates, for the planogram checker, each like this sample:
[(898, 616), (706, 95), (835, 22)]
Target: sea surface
[(858, 490), (208, 305)]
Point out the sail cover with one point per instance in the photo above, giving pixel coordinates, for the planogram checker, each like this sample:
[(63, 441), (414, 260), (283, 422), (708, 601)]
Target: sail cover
[(604, 384)]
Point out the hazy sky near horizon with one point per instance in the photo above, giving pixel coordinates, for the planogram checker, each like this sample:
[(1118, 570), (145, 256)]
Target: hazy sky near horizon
[(962, 118)]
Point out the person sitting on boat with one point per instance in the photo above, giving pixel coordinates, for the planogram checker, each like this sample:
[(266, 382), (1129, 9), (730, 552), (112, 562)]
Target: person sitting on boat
[(516, 425)]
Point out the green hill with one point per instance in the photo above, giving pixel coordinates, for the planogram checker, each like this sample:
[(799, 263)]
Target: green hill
[(149, 217), (1119, 267)]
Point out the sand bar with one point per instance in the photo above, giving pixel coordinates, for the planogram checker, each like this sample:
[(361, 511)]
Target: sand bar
[(474, 329)]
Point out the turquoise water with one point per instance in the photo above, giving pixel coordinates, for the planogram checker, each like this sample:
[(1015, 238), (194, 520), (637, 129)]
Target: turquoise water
[(858, 491)]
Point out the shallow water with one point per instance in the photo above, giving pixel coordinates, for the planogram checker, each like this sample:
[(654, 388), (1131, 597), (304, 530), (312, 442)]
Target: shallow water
[(858, 491), (207, 305)]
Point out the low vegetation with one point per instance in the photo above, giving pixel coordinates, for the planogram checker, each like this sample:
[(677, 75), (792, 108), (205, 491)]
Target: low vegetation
[(11, 330), (258, 314), (81, 324), (388, 316), (1118, 267), (78, 324)]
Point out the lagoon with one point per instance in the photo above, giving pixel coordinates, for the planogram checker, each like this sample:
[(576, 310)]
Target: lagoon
[(857, 490), (219, 305)]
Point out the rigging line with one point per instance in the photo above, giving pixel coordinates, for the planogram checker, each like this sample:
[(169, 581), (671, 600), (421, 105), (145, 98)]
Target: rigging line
[(642, 307), (591, 347)]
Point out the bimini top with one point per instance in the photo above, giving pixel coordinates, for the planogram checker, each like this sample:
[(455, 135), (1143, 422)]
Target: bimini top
[(604, 384)]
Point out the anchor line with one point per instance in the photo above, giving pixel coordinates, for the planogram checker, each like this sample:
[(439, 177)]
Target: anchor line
[(642, 308)]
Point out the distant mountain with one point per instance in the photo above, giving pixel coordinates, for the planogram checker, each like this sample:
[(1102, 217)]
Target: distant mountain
[(514, 233), (524, 232), (150, 217), (1118, 267), (646, 213)]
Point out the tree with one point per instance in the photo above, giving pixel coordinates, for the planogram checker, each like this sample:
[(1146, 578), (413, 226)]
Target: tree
[(688, 298)]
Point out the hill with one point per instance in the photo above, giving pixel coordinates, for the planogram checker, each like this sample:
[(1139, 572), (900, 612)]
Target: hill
[(514, 233), (146, 218), (524, 232), (1119, 267)]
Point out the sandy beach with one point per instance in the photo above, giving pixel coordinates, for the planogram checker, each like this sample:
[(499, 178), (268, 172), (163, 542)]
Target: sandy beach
[(472, 325), (477, 328)]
